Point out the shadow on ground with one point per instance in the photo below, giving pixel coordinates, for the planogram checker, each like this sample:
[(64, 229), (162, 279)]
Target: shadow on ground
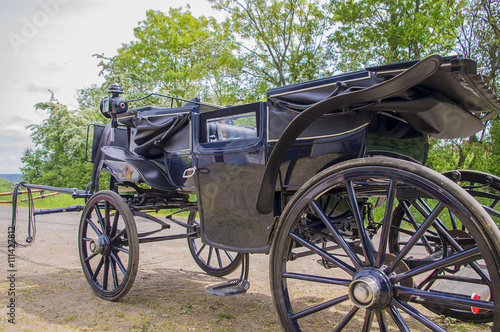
[(163, 299)]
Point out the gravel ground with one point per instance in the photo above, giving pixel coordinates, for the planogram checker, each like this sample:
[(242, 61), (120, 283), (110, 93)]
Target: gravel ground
[(51, 292)]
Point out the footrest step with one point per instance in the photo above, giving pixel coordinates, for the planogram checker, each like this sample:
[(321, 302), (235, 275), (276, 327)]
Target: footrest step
[(229, 288)]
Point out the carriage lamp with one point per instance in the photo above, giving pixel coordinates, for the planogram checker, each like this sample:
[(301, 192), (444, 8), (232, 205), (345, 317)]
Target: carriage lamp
[(111, 106)]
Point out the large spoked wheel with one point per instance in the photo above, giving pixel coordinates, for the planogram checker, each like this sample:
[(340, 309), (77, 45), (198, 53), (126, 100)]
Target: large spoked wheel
[(485, 188), (215, 262), (108, 245), (331, 265)]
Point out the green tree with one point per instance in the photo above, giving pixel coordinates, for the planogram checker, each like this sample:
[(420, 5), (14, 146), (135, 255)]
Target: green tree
[(282, 41), (372, 32), (480, 38), (176, 54), (59, 155), (446, 155)]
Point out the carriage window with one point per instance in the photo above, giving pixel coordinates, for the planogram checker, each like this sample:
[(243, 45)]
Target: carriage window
[(232, 127)]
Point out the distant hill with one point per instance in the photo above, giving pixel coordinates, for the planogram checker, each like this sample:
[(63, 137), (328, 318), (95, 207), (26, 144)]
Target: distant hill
[(11, 177)]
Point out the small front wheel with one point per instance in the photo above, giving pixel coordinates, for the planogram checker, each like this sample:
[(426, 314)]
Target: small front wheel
[(215, 262), (108, 245)]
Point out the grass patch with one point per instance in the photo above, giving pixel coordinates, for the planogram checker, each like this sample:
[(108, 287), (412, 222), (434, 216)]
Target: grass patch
[(64, 200), (225, 315), (61, 200), (186, 309)]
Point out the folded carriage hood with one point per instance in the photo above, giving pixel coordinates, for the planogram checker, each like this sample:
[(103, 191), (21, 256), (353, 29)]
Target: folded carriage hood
[(440, 97), (453, 102)]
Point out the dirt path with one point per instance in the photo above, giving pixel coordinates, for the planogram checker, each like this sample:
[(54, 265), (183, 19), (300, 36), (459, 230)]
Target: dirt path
[(51, 292)]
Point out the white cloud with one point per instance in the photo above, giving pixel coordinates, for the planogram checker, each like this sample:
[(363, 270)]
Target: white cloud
[(39, 86), (53, 67), (56, 54), (16, 128)]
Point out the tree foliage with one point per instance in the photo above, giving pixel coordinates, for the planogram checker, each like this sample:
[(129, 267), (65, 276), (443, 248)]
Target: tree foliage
[(446, 155), (269, 43), (374, 32), (480, 38), (176, 54), (281, 41), (59, 156)]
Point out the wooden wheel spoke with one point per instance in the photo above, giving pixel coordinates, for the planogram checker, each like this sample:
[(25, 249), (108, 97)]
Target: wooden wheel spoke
[(113, 247), (323, 254), (417, 315), (368, 321), (118, 261), (93, 226), (201, 249), (337, 236), (114, 225), (460, 258), (366, 243), (90, 257), (466, 302), (320, 279), (340, 326), (210, 251), (105, 274), (494, 203), (114, 273), (458, 248), (98, 269), (229, 256), (319, 307), (219, 260), (100, 218), (386, 224), (106, 217), (453, 220), (382, 322), (118, 235), (397, 318), (416, 226), (414, 239)]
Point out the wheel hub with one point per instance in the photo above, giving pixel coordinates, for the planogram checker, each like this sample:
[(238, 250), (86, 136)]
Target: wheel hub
[(100, 245), (370, 289)]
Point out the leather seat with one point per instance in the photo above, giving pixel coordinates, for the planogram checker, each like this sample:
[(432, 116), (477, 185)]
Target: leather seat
[(221, 132)]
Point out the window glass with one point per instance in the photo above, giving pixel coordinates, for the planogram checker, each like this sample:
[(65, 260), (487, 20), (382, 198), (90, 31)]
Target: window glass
[(232, 127)]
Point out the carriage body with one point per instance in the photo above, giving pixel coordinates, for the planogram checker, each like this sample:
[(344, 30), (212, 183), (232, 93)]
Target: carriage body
[(326, 175), (220, 154), (222, 163)]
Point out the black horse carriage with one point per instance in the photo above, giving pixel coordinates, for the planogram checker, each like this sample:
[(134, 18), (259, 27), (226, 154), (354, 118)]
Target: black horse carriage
[(328, 177)]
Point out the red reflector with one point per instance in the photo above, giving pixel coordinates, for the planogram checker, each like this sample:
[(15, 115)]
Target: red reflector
[(474, 296)]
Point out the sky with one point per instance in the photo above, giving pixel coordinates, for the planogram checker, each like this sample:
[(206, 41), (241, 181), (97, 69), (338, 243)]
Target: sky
[(48, 45)]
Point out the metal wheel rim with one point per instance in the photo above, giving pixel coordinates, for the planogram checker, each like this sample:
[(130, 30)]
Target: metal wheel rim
[(110, 271), (279, 274)]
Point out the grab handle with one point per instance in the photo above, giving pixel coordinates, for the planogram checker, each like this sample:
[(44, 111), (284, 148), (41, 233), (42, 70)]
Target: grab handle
[(189, 172)]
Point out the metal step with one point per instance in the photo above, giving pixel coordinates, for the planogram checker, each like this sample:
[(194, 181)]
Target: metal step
[(464, 288)]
